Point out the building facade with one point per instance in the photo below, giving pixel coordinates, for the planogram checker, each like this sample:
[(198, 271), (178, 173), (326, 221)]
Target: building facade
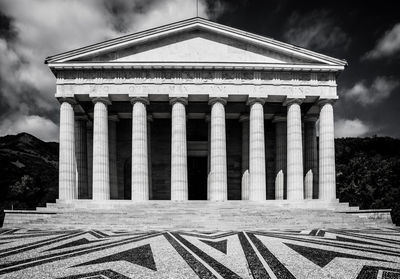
[(196, 110)]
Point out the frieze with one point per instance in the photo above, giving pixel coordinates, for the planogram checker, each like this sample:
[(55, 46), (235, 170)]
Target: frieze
[(133, 76), (253, 90)]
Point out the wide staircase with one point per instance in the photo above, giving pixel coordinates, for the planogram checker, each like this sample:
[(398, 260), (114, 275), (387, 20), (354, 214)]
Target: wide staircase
[(191, 215)]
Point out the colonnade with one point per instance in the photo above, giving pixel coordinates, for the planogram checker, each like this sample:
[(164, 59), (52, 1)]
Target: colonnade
[(299, 180)]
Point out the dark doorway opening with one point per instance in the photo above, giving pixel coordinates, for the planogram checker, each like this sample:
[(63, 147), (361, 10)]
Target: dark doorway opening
[(197, 178), (127, 179)]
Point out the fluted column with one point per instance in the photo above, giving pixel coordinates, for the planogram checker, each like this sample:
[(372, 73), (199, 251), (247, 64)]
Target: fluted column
[(140, 184), (295, 184), (179, 176), (244, 119), (257, 185), (149, 120), (217, 178), (90, 158), (280, 156), (67, 163), (327, 176), (81, 157), (208, 121), (101, 165), (310, 156), (112, 138)]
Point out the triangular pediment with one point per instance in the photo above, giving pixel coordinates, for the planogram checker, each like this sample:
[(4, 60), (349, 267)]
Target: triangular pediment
[(196, 46), (195, 41)]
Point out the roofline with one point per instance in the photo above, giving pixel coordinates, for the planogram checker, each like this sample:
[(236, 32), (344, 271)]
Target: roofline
[(196, 65), (191, 23)]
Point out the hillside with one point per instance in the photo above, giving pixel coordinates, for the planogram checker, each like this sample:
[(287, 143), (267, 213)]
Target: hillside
[(29, 171), (368, 172)]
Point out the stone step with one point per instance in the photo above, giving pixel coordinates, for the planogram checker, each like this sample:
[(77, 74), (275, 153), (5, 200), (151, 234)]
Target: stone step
[(190, 215)]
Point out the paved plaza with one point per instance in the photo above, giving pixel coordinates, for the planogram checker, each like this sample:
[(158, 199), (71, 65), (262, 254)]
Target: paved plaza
[(315, 253)]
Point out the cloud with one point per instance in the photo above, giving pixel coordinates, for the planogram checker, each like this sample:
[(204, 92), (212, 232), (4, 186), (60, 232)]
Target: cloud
[(380, 89), (41, 28), (316, 30), (386, 46), (351, 128), (40, 127)]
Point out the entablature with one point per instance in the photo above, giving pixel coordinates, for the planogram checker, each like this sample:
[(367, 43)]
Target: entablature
[(146, 76)]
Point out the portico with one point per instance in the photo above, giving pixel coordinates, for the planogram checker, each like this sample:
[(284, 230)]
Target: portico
[(136, 111)]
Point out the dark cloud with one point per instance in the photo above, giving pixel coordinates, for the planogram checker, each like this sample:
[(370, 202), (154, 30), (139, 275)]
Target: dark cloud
[(371, 94), (316, 30), (388, 46)]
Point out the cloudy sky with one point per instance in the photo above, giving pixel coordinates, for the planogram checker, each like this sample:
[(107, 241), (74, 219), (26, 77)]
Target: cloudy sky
[(366, 35)]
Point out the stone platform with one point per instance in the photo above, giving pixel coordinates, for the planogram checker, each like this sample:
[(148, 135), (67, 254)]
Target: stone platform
[(195, 215)]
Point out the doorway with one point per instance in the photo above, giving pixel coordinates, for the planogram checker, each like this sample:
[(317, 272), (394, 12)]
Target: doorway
[(197, 177)]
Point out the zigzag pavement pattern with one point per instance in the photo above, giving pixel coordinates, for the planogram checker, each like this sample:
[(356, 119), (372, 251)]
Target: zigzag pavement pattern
[(316, 253)]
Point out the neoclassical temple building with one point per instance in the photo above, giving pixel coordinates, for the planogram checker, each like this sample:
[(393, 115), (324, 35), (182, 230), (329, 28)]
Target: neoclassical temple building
[(196, 110)]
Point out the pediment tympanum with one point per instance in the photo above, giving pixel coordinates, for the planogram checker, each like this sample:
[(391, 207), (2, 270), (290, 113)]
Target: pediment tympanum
[(196, 46)]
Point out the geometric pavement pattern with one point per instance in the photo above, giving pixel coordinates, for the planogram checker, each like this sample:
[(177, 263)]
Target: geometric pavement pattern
[(317, 253)]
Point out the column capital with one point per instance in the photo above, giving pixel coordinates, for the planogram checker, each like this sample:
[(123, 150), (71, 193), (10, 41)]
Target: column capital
[(214, 100), (252, 101), (279, 118), (244, 117), (322, 102), (310, 117), (290, 101), (68, 100), (103, 100), (143, 100), (182, 100), (113, 117)]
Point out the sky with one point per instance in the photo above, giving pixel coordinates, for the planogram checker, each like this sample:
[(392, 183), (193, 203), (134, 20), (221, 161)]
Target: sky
[(367, 36)]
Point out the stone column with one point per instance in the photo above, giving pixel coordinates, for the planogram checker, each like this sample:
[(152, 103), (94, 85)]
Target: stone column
[(310, 156), (89, 137), (327, 176), (280, 156), (217, 178), (179, 176), (257, 186), (101, 163), (140, 183), (81, 157), (149, 120), (208, 120), (67, 163), (112, 138), (244, 119), (294, 151)]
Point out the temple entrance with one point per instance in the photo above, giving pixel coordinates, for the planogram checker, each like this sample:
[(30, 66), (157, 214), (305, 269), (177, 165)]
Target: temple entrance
[(197, 178)]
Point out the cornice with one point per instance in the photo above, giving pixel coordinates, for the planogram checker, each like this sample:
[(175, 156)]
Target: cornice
[(197, 65)]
